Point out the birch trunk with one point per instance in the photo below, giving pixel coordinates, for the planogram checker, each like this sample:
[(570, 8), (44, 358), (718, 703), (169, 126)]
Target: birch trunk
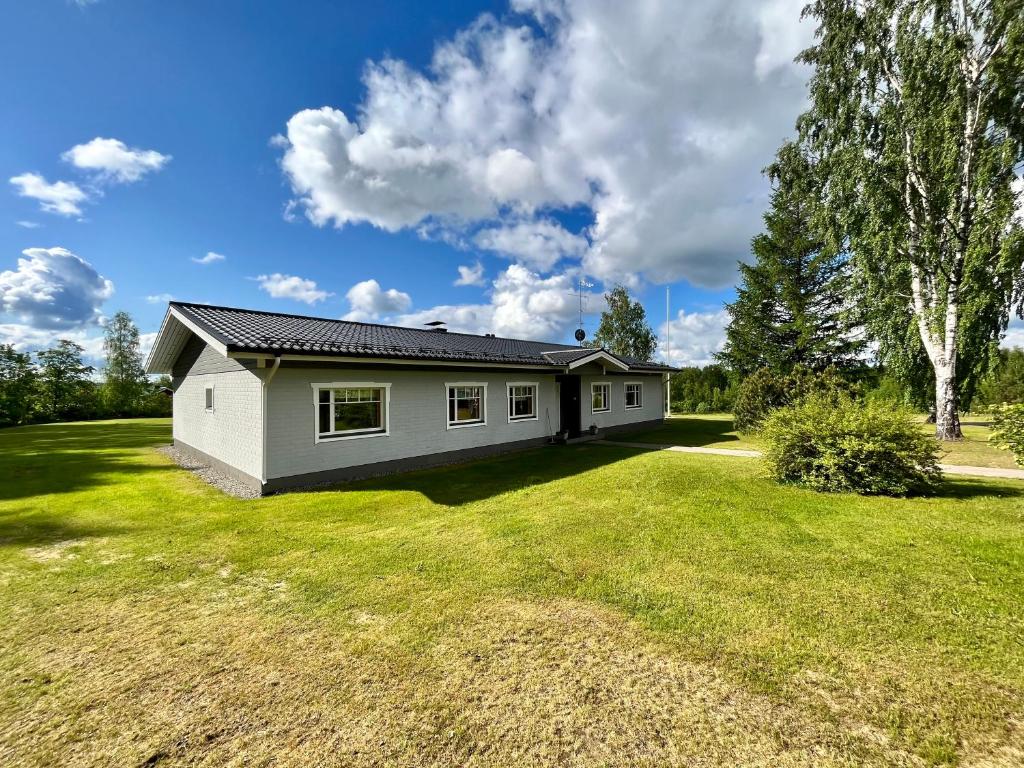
[(947, 414)]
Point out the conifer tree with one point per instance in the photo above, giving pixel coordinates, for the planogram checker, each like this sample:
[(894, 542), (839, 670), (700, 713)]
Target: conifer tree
[(792, 306)]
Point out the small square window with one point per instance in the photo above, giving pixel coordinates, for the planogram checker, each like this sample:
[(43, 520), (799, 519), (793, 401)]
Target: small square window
[(209, 398), (466, 405), (522, 402)]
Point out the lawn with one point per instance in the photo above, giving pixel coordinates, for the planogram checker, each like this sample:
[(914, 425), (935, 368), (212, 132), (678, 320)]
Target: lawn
[(715, 430), (573, 605)]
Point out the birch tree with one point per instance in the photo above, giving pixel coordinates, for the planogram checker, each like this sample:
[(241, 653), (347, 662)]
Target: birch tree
[(917, 123)]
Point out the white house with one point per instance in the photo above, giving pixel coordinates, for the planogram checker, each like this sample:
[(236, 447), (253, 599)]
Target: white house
[(278, 400)]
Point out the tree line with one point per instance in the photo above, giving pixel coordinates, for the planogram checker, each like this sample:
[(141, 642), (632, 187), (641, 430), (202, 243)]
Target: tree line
[(56, 384)]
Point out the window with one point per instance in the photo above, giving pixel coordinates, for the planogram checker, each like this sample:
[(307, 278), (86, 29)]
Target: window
[(522, 401), (209, 399), (351, 410), (467, 405), (634, 395), (600, 397)]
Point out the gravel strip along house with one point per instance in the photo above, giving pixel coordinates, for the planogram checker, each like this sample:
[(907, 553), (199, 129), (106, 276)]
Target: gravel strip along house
[(278, 401)]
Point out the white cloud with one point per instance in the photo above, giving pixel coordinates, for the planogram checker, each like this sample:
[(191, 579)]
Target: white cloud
[(291, 287), (696, 336), (656, 122), (367, 301), (159, 298), (62, 197), (537, 244), (523, 305), (470, 274), (28, 224), (114, 161), (52, 288), (209, 258), (781, 37), (26, 338)]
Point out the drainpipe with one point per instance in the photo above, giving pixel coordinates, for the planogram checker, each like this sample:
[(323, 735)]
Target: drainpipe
[(266, 383)]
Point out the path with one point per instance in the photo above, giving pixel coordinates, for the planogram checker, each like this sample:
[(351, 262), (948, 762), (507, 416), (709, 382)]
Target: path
[(949, 469)]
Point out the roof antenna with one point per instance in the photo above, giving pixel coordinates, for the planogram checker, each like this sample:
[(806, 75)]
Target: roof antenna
[(580, 333), (437, 325)]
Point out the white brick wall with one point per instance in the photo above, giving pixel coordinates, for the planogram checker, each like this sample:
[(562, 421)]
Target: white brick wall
[(232, 432), (653, 401), (418, 418)]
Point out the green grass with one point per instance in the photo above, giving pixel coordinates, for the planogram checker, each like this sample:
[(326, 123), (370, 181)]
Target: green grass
[(715, 430), (573, 605)]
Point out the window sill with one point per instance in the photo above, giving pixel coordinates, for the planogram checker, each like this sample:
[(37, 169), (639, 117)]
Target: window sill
[(514, 419), (603, 410), (359, 436), (634, 407), (465, 426)]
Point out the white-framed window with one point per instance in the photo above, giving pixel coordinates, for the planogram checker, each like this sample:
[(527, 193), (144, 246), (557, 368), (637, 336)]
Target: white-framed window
[(634, 394), (467, 404), (346, 410), (600, 397), (522, 400), (209, 399)]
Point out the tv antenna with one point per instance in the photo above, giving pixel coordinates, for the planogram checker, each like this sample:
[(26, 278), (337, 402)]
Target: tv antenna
[(580, 333)]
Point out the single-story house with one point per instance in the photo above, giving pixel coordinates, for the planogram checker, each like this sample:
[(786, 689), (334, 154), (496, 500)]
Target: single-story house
[(277, 400)]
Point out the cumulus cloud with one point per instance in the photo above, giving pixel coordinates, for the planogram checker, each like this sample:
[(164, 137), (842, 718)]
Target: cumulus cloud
[(368, 301), (114, 161), (61, 197), (291, 287), (52, 288), (537, 244), (656, 122), (470, 275), (696, 336), (26, 338), (159, 298), (209, 258), (523, 304)]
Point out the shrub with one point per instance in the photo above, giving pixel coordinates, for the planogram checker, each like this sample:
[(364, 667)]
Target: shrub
[(847, 445), (1008, 430), (766, 390)]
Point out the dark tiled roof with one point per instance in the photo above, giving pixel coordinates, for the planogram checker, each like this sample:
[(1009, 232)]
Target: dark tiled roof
[(245, 330)]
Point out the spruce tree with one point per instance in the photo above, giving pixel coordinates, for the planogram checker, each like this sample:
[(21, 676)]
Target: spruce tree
[(792, 306)]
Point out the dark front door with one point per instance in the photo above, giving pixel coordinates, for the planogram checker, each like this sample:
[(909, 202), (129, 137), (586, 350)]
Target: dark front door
[(569, 406)]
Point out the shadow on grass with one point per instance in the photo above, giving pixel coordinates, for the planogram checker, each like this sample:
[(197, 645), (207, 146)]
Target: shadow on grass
[(60, 458), (689, 431), (477, 480), (961, 487), (31, 528), (84, 435)]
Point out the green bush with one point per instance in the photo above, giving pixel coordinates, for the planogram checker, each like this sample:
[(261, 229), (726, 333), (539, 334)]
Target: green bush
[(1008, 429), (766, 390), (842, 444)]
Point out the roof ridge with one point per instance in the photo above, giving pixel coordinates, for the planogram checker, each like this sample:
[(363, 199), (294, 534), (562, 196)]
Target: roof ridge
[(353, 322)]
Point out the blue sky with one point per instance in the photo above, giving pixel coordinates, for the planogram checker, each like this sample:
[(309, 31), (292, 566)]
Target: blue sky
[(319, 146)]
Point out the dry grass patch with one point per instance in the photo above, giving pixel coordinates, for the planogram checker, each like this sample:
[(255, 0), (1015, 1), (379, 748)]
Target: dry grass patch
[(556, 682)]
